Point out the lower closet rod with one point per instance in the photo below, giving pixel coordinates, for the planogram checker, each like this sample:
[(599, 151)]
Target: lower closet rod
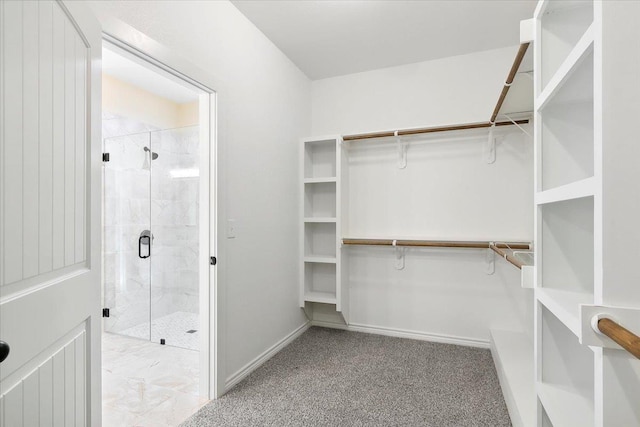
[(436, 243)]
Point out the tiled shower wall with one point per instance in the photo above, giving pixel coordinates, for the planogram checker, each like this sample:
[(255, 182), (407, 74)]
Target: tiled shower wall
[(160, 195)]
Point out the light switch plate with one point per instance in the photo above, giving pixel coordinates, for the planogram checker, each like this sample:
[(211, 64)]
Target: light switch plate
[(231, 229)]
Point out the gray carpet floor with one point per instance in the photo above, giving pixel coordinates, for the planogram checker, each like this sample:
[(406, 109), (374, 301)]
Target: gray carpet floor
[(329, 377)]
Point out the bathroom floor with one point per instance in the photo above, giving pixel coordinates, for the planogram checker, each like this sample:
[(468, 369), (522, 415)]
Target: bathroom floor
[(146, 384), (179, 329)]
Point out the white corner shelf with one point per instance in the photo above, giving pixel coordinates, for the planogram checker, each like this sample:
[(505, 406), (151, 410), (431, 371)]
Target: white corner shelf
[(575, 190), (565, 305), (320, 259), (320, 220), (577, 55), (565, 407), (321, 297), (320, 269), (513, 356), (320, 180)]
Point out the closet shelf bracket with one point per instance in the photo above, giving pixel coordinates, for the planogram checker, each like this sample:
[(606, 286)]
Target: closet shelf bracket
[(402, 151), (490, 259), (400, 256), (590, 315), (490, 148), (518, 125)]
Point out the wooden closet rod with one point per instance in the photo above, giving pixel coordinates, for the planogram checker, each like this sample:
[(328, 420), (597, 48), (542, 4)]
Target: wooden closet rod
[(405, 132), (510, 77), (510, 258), (621, 335), (435, 243)]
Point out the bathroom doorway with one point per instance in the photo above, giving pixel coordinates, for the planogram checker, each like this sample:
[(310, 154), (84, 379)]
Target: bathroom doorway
[(157, 233)]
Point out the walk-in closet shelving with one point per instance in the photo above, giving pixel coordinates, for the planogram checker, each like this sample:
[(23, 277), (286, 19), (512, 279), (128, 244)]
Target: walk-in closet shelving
[(565, 188), (320, 220), (586, 59)]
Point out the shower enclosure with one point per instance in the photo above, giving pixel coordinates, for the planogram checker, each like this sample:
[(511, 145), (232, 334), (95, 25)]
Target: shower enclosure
[(151, 236)]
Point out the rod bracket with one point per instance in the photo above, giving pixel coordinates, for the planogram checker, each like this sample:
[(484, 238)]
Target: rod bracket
[(590, 315), (402, 151), (490, 260), (399, 256), (490, 146)]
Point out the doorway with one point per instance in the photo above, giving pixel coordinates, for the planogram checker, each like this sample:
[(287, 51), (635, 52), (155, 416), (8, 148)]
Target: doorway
[(157, 138)]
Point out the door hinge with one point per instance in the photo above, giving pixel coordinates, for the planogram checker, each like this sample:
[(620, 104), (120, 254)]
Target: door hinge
[(105, 157), (105, 312), (213, 260)]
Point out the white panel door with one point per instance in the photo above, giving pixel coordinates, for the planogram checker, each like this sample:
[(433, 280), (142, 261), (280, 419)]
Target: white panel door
[(50, 169)]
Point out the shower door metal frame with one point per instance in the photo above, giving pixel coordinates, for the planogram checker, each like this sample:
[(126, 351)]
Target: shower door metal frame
[(163, 60)]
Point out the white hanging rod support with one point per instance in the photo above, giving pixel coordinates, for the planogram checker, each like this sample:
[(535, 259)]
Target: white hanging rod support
[(619, 334), (518, 125), (512, 74), (437, 243), (510, 258), (419, 131)]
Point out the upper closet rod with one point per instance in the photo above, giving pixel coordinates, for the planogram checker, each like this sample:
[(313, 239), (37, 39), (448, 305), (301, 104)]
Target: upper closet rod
[(437, 243), (388, 134), (507, 84)]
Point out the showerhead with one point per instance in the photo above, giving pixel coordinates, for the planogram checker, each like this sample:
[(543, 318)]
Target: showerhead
[(153, 155)]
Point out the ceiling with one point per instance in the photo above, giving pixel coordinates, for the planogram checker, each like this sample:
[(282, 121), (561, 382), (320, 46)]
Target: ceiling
[(129, 71), (327, 38)]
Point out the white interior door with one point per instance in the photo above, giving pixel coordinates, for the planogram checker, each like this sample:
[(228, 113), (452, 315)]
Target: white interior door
[(50, 167)]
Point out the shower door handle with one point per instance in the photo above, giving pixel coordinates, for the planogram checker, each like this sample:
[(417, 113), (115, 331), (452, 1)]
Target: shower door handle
[(147, 243), (4, 351)]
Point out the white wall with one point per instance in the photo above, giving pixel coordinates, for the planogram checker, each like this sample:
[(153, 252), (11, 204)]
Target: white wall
[(264, 109), (447, 191)]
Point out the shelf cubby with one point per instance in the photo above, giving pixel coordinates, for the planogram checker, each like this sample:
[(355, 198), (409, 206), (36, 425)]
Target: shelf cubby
[(567, 130), (320, 239), (566, 243), (320, 200), (566, 386), (320, 282), (320, 159), (562, 24)]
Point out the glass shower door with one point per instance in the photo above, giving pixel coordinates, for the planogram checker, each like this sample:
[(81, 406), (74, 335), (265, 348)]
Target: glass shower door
[(127, 237), (151, 236), (174, 218)]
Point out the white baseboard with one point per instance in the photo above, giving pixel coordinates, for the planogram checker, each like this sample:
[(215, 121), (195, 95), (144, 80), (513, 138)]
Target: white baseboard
[(262, 358), (403, 333)]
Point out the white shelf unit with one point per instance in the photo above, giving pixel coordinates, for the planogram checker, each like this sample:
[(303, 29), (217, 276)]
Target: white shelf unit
[(513, 356), (587, 175), (320, 277), (566, 185), (565, 386)]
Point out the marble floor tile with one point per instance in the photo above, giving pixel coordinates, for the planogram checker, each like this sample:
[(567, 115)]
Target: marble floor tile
[(146, 384), (172, 411), (179, 329)]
